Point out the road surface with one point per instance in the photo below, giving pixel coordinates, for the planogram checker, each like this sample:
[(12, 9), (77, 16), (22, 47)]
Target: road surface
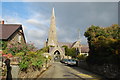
[(59, 70)]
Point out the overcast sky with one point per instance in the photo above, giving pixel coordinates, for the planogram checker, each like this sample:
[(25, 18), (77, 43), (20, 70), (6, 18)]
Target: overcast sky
[(70, 17)]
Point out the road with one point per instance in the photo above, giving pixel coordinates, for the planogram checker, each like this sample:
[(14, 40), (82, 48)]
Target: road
[(59, 70)]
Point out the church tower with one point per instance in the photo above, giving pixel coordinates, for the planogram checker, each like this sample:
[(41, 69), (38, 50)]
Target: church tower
[(52, 37), (55, 49)]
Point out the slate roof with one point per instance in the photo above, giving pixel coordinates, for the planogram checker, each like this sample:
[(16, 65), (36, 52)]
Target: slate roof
[(51, 48), (67, 44), (84, 49), (7, 30)]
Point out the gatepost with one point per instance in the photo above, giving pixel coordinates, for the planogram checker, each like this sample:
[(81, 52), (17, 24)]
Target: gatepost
[(15, 68)]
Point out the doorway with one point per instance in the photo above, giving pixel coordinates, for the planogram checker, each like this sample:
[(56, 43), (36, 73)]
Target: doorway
[(57, 57)]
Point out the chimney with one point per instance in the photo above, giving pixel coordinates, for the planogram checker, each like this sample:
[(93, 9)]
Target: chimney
[(2, 22)]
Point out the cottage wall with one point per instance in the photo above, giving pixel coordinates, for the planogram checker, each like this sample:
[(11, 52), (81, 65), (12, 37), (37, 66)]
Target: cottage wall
[(15, 37)]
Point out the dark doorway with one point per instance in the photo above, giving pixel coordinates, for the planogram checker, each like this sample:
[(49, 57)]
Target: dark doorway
[(57, 57)]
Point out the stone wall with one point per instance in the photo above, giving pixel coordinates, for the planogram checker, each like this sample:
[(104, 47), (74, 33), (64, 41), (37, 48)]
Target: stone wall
[(108, 71), (15, 36)]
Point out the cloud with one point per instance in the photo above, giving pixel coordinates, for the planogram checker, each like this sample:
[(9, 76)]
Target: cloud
[(1, 18), (69, 18), (35, 30), (40, 33), (37, 22), (73, 16), (33, 22), (37, 19), (37, 36)]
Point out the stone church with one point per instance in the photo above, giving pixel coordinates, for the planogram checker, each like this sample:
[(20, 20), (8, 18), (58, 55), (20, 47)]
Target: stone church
[(55, 48)]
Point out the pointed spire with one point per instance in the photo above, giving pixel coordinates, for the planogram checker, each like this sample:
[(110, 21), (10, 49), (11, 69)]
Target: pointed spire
[(53, 13), (52, 39)]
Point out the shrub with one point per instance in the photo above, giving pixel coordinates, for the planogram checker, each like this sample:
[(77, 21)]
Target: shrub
[(104, 44), (3, 45)]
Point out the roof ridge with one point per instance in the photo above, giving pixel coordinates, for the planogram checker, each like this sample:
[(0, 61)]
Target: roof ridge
[(11, 24)]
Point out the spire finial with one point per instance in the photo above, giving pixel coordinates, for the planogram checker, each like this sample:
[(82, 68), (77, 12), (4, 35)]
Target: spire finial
[(53, 13)]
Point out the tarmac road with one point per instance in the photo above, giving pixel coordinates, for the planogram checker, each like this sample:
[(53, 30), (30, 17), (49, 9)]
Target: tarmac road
[(61, 71)]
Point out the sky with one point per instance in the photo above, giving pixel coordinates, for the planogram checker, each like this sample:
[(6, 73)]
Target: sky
[(70, 17)]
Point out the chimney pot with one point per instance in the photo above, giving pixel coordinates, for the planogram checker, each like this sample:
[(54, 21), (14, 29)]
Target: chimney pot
[(2, 22)]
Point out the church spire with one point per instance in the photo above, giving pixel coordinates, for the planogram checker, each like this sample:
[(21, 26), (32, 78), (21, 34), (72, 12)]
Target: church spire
[(52, 39)]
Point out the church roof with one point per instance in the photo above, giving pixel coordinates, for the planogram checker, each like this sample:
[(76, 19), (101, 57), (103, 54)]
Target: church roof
[(67, 44), (75, 44), (84, 49), (51, 48)]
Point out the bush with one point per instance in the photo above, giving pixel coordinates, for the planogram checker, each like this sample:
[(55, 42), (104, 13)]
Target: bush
[(3, 45), (15, 47), (104, 45), (81, 57), (32, 59), (70, 51), (29, 56)]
